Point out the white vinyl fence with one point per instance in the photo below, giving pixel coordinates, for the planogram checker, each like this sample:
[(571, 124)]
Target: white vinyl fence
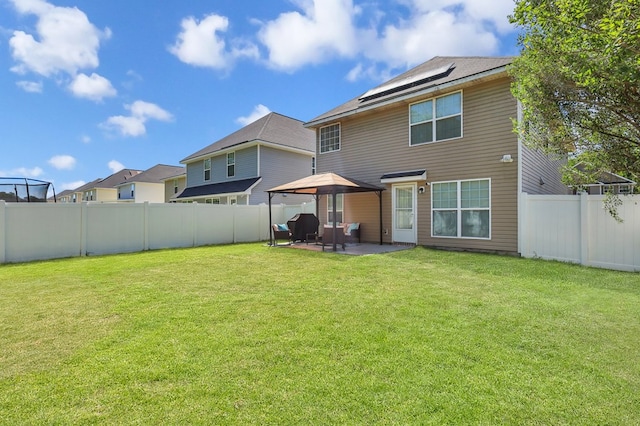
[(576, 228), (38, 231)]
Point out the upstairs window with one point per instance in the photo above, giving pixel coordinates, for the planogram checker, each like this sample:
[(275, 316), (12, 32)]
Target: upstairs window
[(207, 169), (330, 138), (231, 164), (133, 189), (436, 119), (175, 186)]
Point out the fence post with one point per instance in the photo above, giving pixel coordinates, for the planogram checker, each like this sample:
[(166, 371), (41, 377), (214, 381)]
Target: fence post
[(194, 224), (145, 245), (585, 229), (523, 226), (3, 234), (84, 227)]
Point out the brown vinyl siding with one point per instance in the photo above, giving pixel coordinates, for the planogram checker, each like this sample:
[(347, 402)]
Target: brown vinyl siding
[(377, 142)]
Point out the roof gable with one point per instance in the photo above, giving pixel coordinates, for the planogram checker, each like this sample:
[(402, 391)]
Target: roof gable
[(156, 174), (273, 128), (436, 72)]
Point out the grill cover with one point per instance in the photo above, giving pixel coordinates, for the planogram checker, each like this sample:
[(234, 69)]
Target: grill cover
[(302, 224)]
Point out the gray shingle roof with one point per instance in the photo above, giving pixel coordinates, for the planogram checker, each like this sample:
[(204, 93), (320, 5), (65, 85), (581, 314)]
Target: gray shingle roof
[(156, 174), (273, 128), (116, 178), (235, 186), (87, 186), (463, 68)]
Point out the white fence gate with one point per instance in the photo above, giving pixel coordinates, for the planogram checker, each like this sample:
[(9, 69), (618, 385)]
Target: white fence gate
[(38, 231), (576, 228)]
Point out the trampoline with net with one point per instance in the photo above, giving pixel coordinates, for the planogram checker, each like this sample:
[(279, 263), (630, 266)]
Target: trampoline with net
[(25, 190)]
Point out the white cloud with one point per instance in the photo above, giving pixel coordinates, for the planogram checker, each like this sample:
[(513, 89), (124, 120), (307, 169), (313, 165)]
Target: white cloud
[(404, 34), (201, 44), (494, 14), (63, 162), (115, 166), (85, 139), (23, 172), (324, 30), (93, 87), (72, 185), (412, 42), (127, 126), (30, 86), (134, 124), (258, 112), (65, 40), (146, 110)]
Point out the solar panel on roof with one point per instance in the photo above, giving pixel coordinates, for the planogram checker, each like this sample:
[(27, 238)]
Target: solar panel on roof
[(408, 82)]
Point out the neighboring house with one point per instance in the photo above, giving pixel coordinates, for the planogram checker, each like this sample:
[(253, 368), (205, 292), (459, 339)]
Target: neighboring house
[(148, 186), (104, 190), (606, 182), (239, 168), (174, 185), (77, 195), (439, 138), (65, 196)]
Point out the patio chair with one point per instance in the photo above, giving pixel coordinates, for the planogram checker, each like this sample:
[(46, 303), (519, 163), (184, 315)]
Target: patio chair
[(327, 236), (352, 232), (281, 232)]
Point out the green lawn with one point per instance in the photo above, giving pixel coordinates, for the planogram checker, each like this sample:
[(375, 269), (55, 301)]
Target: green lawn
[(248, 334)]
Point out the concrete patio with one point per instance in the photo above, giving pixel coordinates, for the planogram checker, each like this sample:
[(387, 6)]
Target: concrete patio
[(356, 249)]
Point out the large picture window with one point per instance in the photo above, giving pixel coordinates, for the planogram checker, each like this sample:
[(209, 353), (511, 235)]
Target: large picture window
[(339, 208), (461, 209), (436, 119), (330, 138)]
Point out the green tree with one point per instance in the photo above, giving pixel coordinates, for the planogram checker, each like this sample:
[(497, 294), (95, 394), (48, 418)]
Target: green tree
[(578, 79)]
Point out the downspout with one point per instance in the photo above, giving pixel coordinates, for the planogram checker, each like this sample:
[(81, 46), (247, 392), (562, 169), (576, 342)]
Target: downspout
[(270, 227), (379, 193), (520, 194)]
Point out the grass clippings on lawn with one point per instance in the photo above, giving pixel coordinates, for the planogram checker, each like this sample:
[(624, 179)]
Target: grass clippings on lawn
[(247, 334)]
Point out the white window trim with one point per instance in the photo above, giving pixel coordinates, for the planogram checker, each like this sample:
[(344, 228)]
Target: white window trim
[(330, 208), (434, 119), (459, 209), (339, 138), (231, 164), (204, 167)]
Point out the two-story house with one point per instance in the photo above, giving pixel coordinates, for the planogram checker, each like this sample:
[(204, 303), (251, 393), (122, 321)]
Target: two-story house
[(240, 167), (103, 190), (439, 138), (174, 185), (148, 186)]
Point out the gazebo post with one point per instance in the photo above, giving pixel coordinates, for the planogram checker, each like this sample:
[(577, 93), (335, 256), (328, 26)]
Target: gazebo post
[(379, 193), (333, 194), (270, 227)]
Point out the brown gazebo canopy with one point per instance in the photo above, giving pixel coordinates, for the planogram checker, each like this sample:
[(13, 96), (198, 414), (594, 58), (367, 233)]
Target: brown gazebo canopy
[(326, 184)]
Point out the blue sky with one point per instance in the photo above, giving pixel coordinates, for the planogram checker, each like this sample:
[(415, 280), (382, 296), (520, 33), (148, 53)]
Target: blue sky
[(88, 87)]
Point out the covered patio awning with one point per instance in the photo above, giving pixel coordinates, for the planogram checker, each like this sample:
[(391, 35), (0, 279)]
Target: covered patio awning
[(326, 184)]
